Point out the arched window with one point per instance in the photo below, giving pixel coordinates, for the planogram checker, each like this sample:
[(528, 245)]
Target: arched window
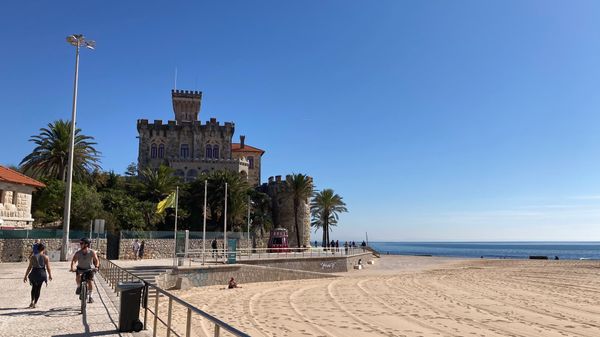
[(250, 162), (153, 151), (179, 173), (209, 153), (216, 151), (191, 175), (185, 151), (161, 151)]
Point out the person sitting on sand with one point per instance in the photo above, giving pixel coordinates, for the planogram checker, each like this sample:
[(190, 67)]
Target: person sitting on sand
[(232, 284)]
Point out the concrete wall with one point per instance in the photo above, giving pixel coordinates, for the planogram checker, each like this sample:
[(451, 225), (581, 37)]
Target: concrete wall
[(334, 264), (18, 250), (185, 278)]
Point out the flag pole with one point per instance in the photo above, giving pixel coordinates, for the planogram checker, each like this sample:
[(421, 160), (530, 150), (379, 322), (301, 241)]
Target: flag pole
[(175, 231), (204, 223), (225, 227), (248, 225)]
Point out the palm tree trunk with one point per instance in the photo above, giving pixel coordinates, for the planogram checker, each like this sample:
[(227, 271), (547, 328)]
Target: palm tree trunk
[(324, 235), (296, 221)]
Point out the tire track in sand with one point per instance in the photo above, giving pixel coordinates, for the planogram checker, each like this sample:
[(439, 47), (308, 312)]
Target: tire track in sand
[(355, 317), (313, 324)]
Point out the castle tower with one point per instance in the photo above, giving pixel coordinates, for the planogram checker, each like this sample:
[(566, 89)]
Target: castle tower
[(186, 105)]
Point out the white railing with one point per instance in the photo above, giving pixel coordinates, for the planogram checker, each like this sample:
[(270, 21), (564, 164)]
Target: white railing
[(219, 255)]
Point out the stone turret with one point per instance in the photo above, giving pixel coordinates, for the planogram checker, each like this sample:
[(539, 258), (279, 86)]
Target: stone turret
[(186, 105), (283, 211)]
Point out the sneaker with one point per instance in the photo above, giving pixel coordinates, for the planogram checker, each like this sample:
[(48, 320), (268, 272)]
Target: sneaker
[(78, 291), (90, 300)]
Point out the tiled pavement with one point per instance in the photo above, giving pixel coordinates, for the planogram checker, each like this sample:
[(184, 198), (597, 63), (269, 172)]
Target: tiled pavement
[(57, 313)]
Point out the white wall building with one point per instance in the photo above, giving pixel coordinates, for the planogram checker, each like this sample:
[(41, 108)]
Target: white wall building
[(15, 199)]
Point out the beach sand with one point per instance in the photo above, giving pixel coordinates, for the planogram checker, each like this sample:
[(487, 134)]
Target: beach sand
[(413, 296)]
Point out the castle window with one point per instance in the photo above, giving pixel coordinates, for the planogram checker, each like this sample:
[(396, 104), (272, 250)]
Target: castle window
[(161, 151), (208, 151), (185, 151), (250, 162), (153, 151), (191, 175), (216, 151)]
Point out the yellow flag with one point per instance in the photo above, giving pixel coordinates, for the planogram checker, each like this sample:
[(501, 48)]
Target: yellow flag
[(168, 202)]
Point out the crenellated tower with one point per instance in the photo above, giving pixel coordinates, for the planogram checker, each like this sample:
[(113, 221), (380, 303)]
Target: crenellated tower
[(186, 105)]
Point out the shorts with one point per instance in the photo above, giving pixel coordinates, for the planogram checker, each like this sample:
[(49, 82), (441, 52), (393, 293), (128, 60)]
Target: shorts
[(82, 270)]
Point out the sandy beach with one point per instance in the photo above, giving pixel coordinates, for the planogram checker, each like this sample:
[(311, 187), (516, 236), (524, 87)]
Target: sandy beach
[(415, 296)]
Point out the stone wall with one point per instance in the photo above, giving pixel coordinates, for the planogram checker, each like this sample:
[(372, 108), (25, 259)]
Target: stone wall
[(185, 278), (18, 250), (334, 264), (163, 248)]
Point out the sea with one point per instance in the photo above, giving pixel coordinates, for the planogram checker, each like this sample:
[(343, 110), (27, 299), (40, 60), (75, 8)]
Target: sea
[(493, 250)]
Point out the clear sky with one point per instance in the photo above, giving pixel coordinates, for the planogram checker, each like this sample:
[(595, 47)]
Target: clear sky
[(435, 120)]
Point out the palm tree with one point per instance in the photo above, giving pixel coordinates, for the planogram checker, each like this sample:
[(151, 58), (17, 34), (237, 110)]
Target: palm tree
[(237, 197), (155, 184), (300, 187), (324, 208), (49, 158)]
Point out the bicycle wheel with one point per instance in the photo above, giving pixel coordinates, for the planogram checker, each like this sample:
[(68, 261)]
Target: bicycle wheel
[(83, 296)]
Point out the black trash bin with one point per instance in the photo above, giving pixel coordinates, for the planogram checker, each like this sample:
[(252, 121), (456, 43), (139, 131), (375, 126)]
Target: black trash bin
[(129, 311)]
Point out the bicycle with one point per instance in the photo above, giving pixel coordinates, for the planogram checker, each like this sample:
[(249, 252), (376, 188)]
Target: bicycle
[(83, 294)]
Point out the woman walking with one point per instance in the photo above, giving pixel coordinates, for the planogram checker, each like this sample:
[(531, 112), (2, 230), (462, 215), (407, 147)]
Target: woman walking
[(36, 273)]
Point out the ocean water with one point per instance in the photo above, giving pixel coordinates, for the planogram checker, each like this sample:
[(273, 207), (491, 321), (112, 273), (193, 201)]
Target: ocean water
[(512, 250)]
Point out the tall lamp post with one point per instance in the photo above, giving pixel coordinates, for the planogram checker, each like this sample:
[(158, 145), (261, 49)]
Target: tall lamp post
[(76, 40)]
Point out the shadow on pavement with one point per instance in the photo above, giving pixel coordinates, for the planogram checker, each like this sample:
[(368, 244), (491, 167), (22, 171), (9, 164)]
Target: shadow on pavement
[(91, 334), (54, 312)]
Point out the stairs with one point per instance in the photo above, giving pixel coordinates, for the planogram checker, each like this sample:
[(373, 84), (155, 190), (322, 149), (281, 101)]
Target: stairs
[(372, 250), (148, 274)]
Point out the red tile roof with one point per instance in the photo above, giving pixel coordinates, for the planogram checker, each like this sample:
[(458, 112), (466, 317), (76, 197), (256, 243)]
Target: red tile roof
[(12, 176), (235, 147)]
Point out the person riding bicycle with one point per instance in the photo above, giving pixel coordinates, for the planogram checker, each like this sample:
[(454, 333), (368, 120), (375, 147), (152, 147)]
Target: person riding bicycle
[(84, 258)]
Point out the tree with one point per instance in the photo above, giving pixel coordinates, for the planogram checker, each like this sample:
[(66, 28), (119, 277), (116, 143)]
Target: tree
[(237, 199), (325, 208), (261, 217), (49, 158), (300, 187), (48, 203), (157, 184)]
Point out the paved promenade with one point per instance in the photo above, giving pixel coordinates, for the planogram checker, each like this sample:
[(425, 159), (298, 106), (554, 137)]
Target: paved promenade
[(57, 313)]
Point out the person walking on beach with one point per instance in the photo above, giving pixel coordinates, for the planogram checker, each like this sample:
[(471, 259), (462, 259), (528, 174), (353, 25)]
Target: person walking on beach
[(346, 247), (337, 245), (36, 273), (136, 249), (141, 250)]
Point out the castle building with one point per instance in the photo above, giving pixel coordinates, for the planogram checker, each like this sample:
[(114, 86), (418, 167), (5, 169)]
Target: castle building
[(190, 147)]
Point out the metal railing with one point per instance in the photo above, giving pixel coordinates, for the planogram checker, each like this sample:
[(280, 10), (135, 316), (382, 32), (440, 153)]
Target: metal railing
[(114, 274), (219, 255)]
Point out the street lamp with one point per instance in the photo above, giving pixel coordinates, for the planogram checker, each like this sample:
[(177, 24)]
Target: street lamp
[(76, 40)]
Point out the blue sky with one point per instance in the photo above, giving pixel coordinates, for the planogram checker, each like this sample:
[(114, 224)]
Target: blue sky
[(435, 120)]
